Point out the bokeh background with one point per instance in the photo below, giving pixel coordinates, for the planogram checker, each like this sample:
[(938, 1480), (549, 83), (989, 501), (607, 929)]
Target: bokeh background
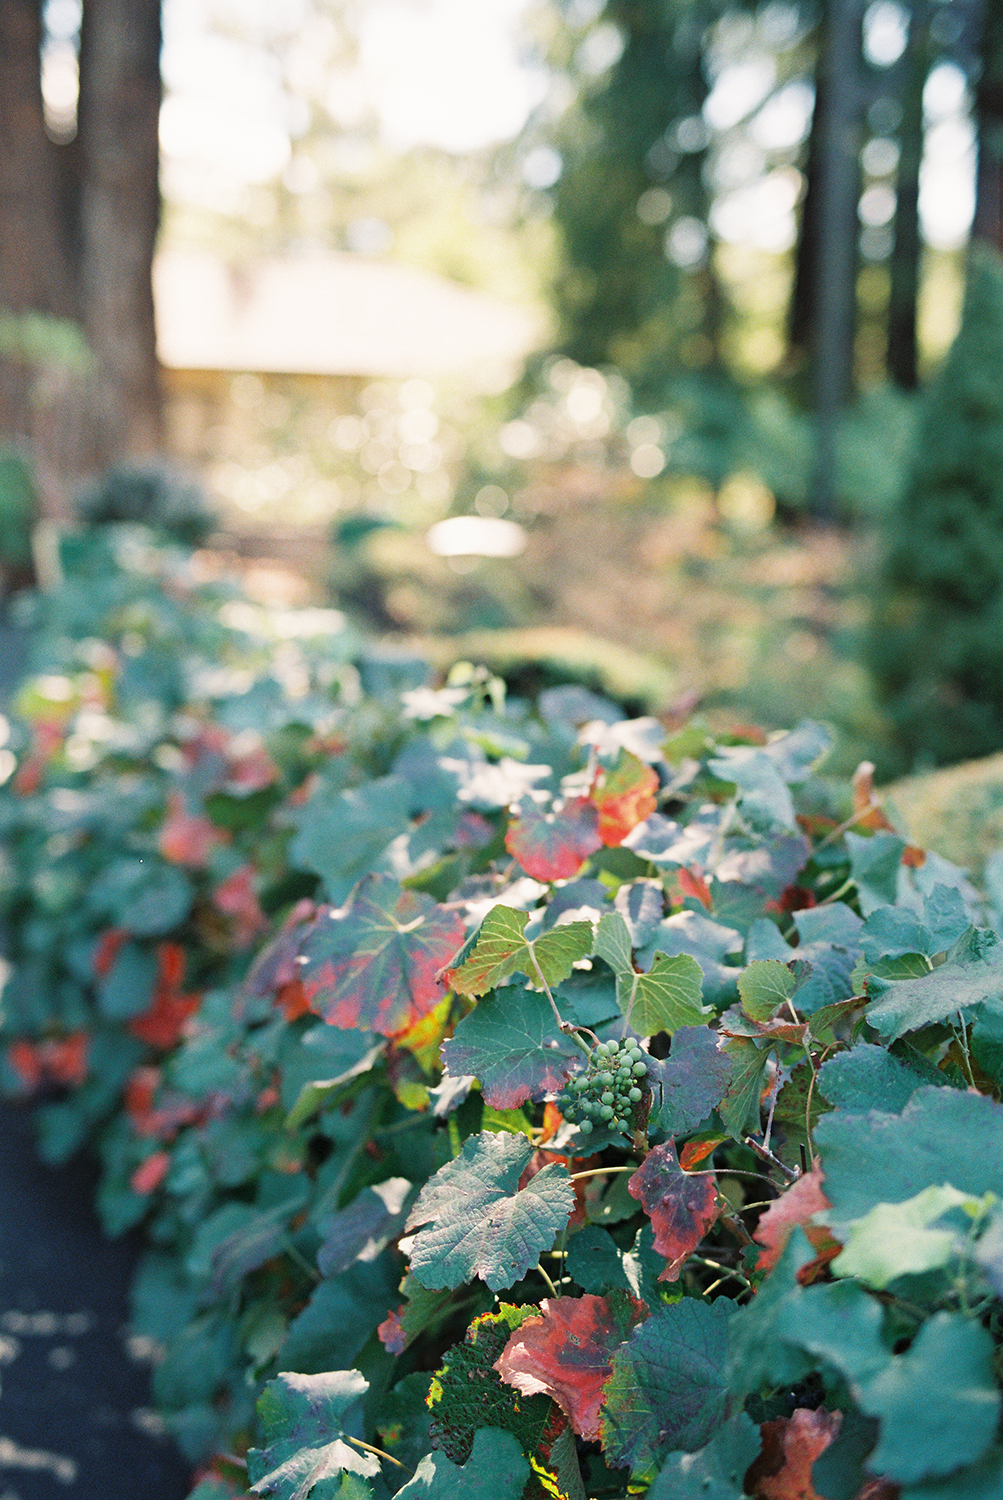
[(652, 343)]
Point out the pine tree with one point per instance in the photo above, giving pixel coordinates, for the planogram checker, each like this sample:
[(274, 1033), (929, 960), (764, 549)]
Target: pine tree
[(936, 641)]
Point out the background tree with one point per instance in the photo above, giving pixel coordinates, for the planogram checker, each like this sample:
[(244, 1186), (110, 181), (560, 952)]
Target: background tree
[(78, 218)]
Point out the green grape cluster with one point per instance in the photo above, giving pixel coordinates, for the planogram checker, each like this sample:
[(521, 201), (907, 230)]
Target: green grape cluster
[(609, 1091)]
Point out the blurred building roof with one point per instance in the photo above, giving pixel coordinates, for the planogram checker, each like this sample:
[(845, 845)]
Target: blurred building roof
[(330, 314)]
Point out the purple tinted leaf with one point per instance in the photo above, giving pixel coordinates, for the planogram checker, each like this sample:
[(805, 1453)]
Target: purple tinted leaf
[(693, 1078), (373, 962)]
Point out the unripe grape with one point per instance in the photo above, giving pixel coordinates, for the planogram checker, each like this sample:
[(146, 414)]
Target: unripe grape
[(639, 1069)]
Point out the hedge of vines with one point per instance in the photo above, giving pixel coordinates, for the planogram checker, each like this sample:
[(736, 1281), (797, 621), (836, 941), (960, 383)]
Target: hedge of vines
[(518, 1100)]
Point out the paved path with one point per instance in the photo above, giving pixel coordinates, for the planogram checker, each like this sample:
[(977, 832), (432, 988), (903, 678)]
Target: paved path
[(75, 1420), (75, 1417)]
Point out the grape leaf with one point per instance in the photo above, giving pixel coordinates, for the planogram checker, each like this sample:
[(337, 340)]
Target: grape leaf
[(668, 996), (511, 1043), (364, 1228), (899, 1239), (554, 845), (693, 1079), (495, 1470), (938, 1403), (907, 1004), (761, 789), (501, 949), (796, 1207), (624, 797), (715, 1472), (682, 1205), (373, 962), (341, 1316), (764, 986), (886, 1158), (740, 1105), (467, 1393), (790, 1447), (479, 1223), (566, 1352), (342, 838), (302, 1420), (868, 1077), (667, 1390)]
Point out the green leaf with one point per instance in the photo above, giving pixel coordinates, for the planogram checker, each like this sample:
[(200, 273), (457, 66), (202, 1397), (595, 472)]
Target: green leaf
[(128, 987), (668, 1389), (874, 864), (478, 1221), (495, 1470), (981, 1481), (511, 1043), (868, 1077), (501, 950), (342, 838), (306, 1453), (468, 1393), (613, 943), (740, 1106), (374, 962), (341, 1316), (887, 1158), (668, 996), (712, 1473), (764, 986), (895, 1239), (909, 1004), (761, 788), (938, 1403)]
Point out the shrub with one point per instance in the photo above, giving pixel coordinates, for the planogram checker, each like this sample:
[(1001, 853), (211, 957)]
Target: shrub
[(936, 645), (549, 1106)]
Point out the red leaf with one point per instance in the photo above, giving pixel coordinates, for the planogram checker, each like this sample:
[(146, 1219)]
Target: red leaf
[(60, 1060), (567, 1353), (187, 838), (373, 963), (692, 883), (278, 962), (237, 898), (554, 845), (790, 1447), (107, 948), (150, 1173), (162, 1024), (795, 1208), (682, 1207), (251, 772), (391, 1334), (170, 965), (626, 795), (163, 1120), (696, 1151)]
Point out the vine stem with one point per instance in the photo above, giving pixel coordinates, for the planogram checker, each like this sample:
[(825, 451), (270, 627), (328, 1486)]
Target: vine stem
[(726, 1271), (603, 1172), (553, 1290), (565, 1027), (379, 1452), (767, 1155)]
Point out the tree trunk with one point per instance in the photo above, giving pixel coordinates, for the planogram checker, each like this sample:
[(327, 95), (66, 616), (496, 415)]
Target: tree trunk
[(903, 292), (35, 274), (834, 286), (120, 93), (988, 224)]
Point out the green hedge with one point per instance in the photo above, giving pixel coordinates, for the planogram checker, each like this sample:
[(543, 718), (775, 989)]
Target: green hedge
[(517, 1099)]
